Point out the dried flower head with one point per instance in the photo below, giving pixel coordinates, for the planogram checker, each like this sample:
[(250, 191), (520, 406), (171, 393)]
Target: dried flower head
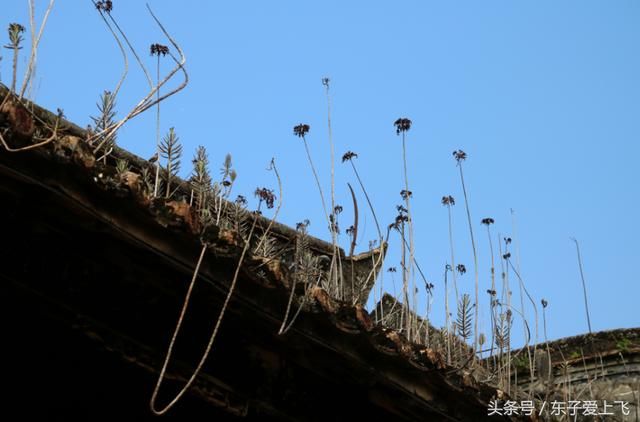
[(400, 219), (158, 49), (301, 130), (492, 292), (337, 209), (325, 81), (459, 155), (461, 268), (15, 34), (507, 240), (448, 200), (544, 303), (402, 125), (241, 201), (392, 269), (351, 230), (487, 221), (406, 194), (506, 256), (348, 156), (302, 226), (104, 5), (266, 195)]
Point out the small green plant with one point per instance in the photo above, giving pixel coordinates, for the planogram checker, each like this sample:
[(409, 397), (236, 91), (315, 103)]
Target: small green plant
[(122, 166), (106, 109), (623, 345), (15, 40), (171, 151), (201, 185), (465, 317)]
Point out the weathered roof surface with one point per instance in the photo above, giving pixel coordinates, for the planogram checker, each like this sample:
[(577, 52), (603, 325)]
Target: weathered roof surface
[(83, 248)]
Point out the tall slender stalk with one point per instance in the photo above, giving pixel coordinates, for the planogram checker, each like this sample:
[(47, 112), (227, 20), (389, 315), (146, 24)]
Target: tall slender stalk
[(488, 222), (35, 42), (349, 156), (157, 50), (449, 201), (460, 156), (15, 39), (546, 339), (336, 264), (214, 333), (447, 268), (584, 285), (402, 126), (530, 356), (301, 130)]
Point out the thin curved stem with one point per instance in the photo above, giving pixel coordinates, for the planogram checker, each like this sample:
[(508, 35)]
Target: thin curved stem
[(35, 42), (183, 390)]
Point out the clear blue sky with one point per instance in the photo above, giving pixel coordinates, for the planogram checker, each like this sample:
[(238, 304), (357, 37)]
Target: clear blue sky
[(544, 96)]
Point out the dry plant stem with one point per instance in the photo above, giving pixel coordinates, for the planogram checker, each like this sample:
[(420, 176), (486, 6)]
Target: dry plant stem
[(53, 136), (35, 42), (405, 286), (527, 332), (273, 167), (213, 334), (157, 179), (295, 316), (521, 281), (333, 266), (584, 285), (531, 358), (133, 51), (354, 236), (352, 247), (366, 195), (493, 286), (281, 330), (16, 49), (446, 314), (410, 272), (380, 260), (475, 256), (315, 175), (148, 101), (334, 234), (122, 51), (546, 340), (453, 260)]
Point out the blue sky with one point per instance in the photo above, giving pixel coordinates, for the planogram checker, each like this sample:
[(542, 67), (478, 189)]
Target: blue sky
[(544, 96)]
